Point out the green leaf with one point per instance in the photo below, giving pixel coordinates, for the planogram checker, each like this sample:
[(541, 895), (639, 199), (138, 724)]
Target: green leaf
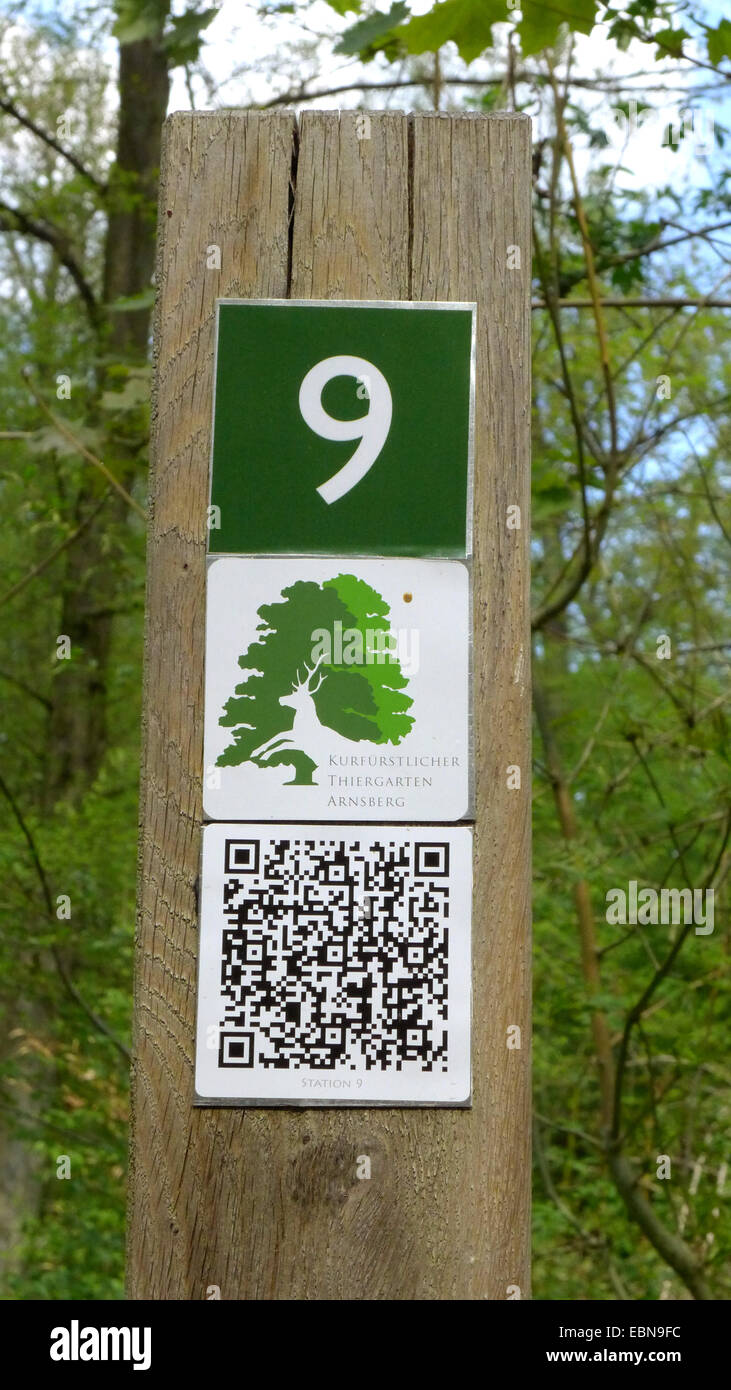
[(540, 24), (670, 41), (719, 41), (182, 40), (493, 99), (623, 31), (551, 492), (598, 139), (367, 31), (138, 19), (134, 393), (345, 6), (468, 23)]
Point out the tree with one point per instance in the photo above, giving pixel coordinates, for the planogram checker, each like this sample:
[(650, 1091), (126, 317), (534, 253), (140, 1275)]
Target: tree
[(325, 654), (631, 401), (77, 216)]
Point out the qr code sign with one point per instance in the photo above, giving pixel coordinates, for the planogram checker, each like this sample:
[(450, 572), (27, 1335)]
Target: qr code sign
[(334, 965), (334, 955)]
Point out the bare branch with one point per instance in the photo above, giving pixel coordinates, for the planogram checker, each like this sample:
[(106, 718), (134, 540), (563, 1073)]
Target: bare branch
[(654, 244), (706, 489), (82, 449), (673, 1249), (26, 689), (52, 554), (545, 1172), (66, 980), (299, 94), (635, 1014), (627, 649), (23, 119), (13, 220), (593, 529), (614, 302)]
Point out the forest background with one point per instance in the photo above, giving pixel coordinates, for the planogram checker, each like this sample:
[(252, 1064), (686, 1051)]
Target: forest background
[(631, 533)]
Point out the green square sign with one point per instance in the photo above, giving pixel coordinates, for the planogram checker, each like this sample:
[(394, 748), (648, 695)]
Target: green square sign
[(342, 428)]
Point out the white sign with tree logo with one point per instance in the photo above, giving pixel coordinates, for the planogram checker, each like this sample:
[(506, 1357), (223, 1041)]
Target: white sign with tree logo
[(337, 689)]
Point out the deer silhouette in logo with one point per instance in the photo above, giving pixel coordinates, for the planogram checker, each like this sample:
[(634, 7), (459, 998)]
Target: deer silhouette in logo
[(306, 723)]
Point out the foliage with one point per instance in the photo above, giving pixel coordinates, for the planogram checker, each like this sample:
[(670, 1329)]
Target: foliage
[(181, 35), (469, 25)]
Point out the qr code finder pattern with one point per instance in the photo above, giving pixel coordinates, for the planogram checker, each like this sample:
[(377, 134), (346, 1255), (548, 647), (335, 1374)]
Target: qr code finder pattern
[(335, 955)]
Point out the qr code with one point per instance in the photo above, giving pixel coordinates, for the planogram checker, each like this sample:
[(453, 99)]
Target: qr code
[(335, 953)]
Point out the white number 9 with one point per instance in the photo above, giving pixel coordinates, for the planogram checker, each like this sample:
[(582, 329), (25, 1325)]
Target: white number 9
[(371, 429)]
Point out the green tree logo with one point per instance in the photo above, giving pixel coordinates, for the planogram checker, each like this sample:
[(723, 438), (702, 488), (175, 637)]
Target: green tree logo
[(293, 686)]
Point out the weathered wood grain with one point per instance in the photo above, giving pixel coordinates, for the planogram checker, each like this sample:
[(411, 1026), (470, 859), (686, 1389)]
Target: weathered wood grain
[(351, 215), (481, 169), (266, 1203), (224, 182)]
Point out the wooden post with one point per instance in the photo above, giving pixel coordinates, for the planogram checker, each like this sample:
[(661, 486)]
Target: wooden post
[(264, 1203)]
